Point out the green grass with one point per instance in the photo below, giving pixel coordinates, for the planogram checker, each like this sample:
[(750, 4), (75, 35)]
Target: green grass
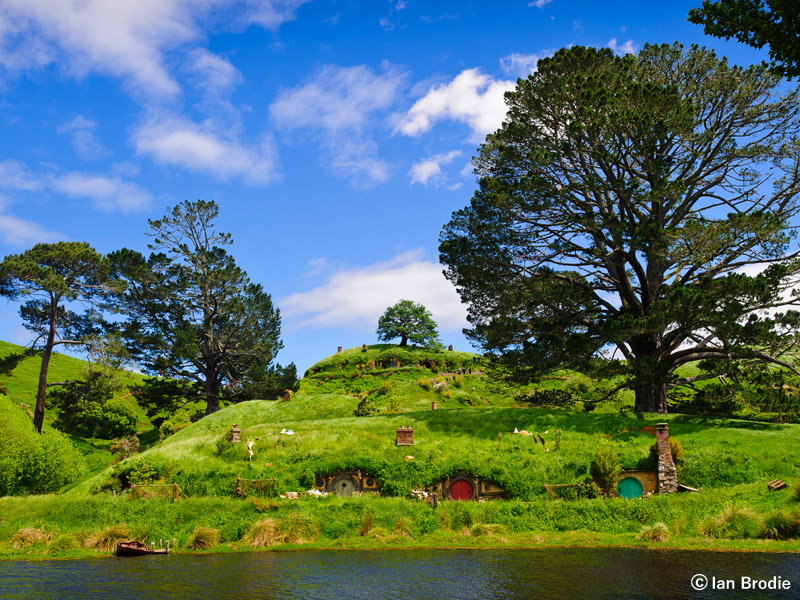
[(470, 432)]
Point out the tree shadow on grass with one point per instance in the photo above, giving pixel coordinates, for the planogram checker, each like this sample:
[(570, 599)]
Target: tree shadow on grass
[(487, 423), (10, 362)]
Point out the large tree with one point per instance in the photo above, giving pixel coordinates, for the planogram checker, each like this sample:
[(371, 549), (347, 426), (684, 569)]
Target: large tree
[(640, 205), (408, 320), (193, 313), (51, 281), (757, 23)]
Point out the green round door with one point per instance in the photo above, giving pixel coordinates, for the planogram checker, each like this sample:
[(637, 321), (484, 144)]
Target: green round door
[(629, 487), (343, 486)]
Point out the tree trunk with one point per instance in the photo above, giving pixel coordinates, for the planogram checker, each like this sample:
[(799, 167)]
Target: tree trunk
[(404, 340), (38, 413), (212, 397), (651, 398)]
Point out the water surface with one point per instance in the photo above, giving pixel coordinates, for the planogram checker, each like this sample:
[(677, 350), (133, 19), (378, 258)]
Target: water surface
[(405, 574)]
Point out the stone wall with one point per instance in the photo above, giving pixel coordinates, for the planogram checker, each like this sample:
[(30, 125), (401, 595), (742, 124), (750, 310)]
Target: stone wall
[(667, 475)]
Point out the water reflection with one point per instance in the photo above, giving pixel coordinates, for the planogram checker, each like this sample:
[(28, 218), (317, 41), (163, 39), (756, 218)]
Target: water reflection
[(407, 574)]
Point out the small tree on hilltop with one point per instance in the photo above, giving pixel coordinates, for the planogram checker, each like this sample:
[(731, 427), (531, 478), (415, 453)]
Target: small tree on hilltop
[(408, 321)]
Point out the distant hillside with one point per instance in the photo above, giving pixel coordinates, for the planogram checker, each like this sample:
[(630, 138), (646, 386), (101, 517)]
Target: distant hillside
[(19, 373)]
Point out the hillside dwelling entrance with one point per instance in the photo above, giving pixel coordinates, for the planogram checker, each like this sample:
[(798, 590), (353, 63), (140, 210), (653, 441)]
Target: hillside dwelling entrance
[(629, 487), (461, 489), (346, 483), (344, 486)]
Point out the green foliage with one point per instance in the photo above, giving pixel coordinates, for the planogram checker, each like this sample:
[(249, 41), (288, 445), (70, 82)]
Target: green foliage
[(778, 524), (408, 321), (618, 204), (545, 398), (758, 23), (606, 467), (204, 538), (657, 532), (675, 449), (193, 314), (87, 408), (365, 407), (31, 463), (125, 447), (734, 521), (48, 279)]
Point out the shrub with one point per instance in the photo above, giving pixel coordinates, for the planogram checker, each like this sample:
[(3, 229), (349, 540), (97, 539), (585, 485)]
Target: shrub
[(263, 534), (27, 536), (88, 409), (203, 538), (125, 447), (366, 525), (31, 463), (107, 538), (383, 388), (425, 383), (674, 447), (606, 467), (778, 524), (177, 421), (298, 529), (365, 407), (733, 522), (458, 381), (657, 532)]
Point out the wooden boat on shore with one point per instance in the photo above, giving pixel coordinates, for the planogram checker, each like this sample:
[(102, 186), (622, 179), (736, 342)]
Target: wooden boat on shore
[(135, 548)]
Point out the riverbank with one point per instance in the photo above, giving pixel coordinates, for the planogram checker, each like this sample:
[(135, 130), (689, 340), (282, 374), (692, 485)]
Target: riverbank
[(65, 526)]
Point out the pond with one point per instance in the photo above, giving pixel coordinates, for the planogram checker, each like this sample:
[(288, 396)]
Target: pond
[(406, 574)]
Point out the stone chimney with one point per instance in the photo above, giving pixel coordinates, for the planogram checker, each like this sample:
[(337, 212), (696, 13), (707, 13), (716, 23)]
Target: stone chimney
[(286, 395), (667, 475), (339, 349), (405, 436), (236, 434)]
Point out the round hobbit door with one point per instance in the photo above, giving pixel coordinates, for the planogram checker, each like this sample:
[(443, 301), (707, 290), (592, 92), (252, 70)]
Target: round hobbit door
[(629, 487), (461, 489), (343, 486)]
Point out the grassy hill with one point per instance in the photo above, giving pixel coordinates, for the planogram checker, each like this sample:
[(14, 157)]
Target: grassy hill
[(470, 432)]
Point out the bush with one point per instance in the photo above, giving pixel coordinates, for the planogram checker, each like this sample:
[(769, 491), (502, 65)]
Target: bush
[(674, 447), (365, 407), (27, 536), (203, 538), (606, 468), (733, 522), (106, 539), (179, 420), (425, 383), (88, 409), (31, 463), (263, 534), (657, 532), (778, 524), (125, 447)]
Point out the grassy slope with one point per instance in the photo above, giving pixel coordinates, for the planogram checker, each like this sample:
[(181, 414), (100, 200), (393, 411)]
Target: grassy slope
[(731, 460), (21, 376)]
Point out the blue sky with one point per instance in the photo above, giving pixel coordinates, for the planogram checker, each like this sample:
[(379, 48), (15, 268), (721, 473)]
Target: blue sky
[(336, 136)]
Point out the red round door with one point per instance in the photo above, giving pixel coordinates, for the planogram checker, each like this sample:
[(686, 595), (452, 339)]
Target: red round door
[(462, 490)]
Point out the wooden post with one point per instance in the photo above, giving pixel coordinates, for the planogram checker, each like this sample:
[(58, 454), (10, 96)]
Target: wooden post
[(499, 439), (175, 492)]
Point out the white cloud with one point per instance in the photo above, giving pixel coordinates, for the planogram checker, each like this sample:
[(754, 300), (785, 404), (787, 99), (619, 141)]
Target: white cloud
[(316, 266), (85, 142), (342, 105), (213, 73), (18, 232), (539, 3), (124, 38), (628, 47), (176, 141), (522, 65), (429, 170), (15, 175), (357, 296), (472, 98), (106, 193)]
